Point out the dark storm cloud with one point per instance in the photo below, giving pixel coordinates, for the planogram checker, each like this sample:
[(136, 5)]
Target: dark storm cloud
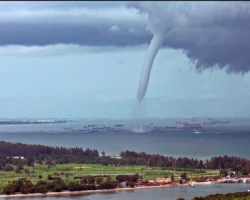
[(83, 23), (209, 33), (47, 34), (208, 48)]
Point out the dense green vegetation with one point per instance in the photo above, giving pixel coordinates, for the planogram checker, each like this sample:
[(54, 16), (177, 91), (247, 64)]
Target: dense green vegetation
[(61, 155), (229, 196), (36, 168), (220, 162), (87, 174)]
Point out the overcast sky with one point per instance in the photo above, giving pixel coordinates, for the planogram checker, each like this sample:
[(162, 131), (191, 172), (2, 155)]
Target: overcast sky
[(84, 59)]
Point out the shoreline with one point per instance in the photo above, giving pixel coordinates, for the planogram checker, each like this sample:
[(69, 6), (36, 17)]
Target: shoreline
[(85, 192)]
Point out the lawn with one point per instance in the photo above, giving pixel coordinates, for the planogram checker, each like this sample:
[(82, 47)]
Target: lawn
[(70, 172)]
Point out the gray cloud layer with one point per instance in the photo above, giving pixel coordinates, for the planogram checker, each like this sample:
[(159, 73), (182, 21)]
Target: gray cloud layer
[(209, 33), (84, 23)]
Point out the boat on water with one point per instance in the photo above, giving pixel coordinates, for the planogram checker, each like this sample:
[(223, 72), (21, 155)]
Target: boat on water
[(187, 126), (190, 183), (213, 122), (179, 122), (171, 127), (119, 125), (197, 132)]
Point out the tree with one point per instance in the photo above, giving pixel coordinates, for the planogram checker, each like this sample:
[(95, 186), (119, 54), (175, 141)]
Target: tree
[(245, 171), (74, 186), (41, 189), (50, 177), (103, 153), (131, 184), (19, 167), (30, 161), (172, 177), (8, 168), (223, 172), (108, 185), (39, 176), (99, 180), (109, 179), (184, 176), (88, 180), (24, 190), (9, 189), (121, 178), (18, 184)]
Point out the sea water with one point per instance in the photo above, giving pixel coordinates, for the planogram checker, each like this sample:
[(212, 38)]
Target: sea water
[(230, 139)]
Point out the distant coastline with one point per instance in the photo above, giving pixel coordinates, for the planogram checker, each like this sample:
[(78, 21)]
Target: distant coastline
[(16, 122)]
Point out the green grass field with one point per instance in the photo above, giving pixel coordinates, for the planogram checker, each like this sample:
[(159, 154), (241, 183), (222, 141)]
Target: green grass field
[(69, 172)]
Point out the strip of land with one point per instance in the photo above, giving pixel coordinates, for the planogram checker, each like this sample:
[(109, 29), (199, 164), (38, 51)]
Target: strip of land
[(85, 192)]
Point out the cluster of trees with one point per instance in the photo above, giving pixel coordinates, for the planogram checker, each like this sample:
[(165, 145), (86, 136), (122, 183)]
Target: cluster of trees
[(14, 149), (25, 186), (62, 155), (229, 196), (130, 178), (40, 153), (219, 162)]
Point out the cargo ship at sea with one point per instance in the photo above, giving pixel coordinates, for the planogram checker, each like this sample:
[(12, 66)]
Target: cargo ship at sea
[(188, 126)]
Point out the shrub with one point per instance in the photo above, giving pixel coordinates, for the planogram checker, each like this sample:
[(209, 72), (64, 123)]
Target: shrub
[(8, 168), (24, 190), (9, 189), (41, 189)]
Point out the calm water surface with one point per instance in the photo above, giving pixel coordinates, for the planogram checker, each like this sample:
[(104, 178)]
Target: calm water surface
[(159, 193), (225, 139)]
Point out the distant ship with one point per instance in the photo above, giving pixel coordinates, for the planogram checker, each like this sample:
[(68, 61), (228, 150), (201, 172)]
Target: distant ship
[(177, 122), (119, 125), (197, 132), (171, 127), (212, 122), (188, 126)]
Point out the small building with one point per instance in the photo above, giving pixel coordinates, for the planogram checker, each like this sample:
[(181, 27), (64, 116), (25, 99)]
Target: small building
[(122, 185), (17, 157)]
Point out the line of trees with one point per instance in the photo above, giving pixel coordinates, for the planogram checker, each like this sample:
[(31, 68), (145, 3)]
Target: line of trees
[(228, 196), (62, 155), (9, 152), (24, 186), (89, 182), (15, 149), (218, 162)]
